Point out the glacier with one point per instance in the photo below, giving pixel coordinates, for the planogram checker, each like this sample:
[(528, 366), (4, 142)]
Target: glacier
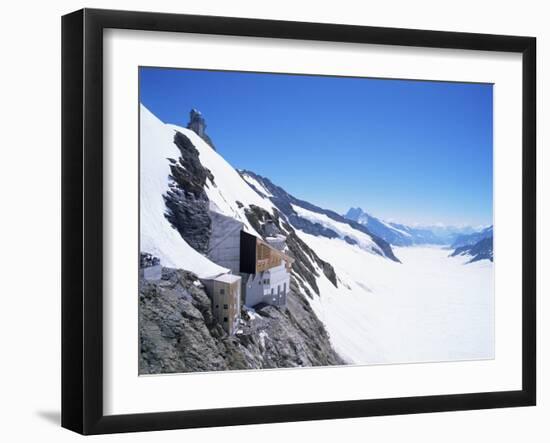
[(428, 308)]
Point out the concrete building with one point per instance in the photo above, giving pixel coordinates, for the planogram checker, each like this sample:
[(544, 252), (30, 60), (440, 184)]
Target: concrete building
[(225, 241), (225, 294), (265, 271), (263, 265), (197, 123), (270, 287)]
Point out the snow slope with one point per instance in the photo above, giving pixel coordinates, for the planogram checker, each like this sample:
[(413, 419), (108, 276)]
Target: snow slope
[(315, 220), (256, 184), (157, 236), (228, 187), (428, 308), (342, 229), (228, 193)]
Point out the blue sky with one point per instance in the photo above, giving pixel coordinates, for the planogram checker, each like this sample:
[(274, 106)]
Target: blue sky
[(410, 151)]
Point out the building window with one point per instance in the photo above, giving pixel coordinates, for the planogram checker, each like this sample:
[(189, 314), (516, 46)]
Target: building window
[(217, 306), (225, 319), (225, 306), (222, 291)]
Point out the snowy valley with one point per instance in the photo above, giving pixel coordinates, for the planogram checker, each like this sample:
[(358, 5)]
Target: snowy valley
[(360, 290)]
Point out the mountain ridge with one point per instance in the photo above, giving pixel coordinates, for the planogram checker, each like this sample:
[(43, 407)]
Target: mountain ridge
[(481, 250), (400, 234), (287, 203), (471, 239)]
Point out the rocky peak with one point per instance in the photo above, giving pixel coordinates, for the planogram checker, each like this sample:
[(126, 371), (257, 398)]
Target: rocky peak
[(354, 214)]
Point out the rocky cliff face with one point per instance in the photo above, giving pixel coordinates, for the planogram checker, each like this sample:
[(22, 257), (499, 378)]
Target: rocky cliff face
[(179, 334), (307, 262), (186, 201)]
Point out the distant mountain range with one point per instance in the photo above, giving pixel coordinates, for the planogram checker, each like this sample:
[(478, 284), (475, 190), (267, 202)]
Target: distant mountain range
[(481, 250), (478, 245), (403, 235), (471, 239)]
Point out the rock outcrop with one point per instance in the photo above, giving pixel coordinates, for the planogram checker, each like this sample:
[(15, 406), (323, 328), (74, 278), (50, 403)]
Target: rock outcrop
[(178, 332), (186, 200)]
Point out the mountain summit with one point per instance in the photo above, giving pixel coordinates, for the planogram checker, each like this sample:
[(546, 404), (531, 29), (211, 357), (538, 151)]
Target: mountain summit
[(392, 234)]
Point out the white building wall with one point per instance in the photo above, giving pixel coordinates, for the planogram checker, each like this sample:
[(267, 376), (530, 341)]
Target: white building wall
[(253, 290), (279, 285), (270, 287)]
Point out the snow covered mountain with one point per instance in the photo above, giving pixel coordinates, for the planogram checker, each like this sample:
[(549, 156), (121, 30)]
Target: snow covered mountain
[(394, 235), (183, 181), (314, 220), (471, 239), (353, 299), (402, 235), (476, 246), (157, 236), (481, 250)]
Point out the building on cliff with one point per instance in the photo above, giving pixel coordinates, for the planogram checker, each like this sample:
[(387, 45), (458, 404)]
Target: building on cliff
[(264, 268), (225, 293), (149, 267), (265, 271)]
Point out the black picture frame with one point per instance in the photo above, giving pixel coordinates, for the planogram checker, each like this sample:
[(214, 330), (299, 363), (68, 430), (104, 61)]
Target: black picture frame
[(82, 218)]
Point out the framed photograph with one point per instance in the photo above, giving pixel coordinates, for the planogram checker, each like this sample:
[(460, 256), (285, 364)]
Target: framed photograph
[(269, 221)]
